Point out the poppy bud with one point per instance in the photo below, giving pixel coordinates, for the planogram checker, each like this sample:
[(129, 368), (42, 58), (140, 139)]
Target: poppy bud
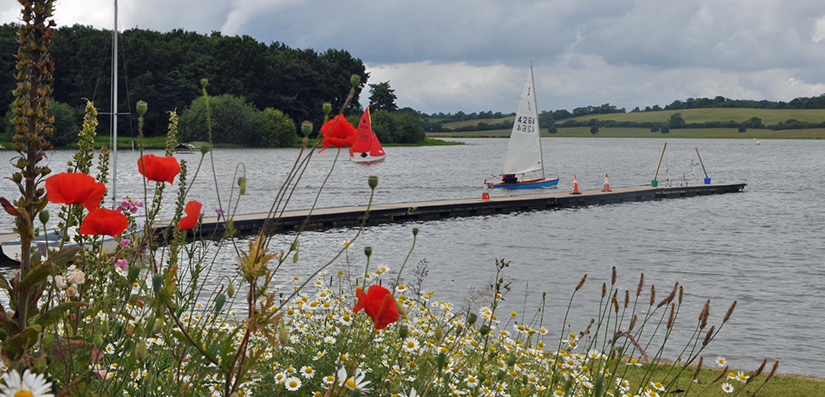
[(403, 331), (141, 107), (134, 272), (472, 319), (140, 350), (368, 251), (327, 108), (242, 185), (104, 328), (157, 283), (373, 181), (485, 329), (230, 290), (219, 302), (98, 341), (204, 82), (158, 325), (399, 307), (415, 233), (306, 128), (459, 330), (283, 336), (439, 333), (205, 148), (44, 217), (355, 80)]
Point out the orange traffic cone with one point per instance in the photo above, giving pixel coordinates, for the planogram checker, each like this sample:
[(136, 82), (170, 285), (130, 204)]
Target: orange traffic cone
[(606, 185), (575, 186)]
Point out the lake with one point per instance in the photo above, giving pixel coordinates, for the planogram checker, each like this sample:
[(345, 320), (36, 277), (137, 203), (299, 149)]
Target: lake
[(763, 247)]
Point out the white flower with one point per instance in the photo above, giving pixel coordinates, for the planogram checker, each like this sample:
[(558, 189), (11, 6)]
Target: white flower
[(292, 383), (77, 277), (472, 381), (727, 388), (307, 372), (357, 382), (280, 377), (411, 345), (27, 385), (721, 361)]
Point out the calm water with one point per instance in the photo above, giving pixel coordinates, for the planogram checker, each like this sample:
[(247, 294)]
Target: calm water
[(763, 247)]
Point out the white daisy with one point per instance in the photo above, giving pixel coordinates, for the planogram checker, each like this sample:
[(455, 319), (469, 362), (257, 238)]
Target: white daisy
[(307, 372), (292, 383), (27, 385), (411, 345), (472, 381), (356, 382), (727, 388), (721, 361)]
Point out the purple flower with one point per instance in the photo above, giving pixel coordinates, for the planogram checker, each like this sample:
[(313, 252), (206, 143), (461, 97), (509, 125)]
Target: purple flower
[(130, 204), (220, 212), (123, 243), (121, 264)]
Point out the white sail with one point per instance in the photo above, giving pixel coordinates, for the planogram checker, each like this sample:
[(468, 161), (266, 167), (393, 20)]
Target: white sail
[(524, 149)]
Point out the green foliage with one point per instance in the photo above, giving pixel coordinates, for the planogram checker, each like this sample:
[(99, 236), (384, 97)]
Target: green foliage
[(65, 124), (382, 97), (274, 129), (399, 127), (676, 121), (594, 129), (233, 121), (664, 129)]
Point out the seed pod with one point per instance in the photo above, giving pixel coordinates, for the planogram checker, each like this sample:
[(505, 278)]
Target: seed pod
[(415, 231), (134, 272), (439, 333), (104, 328), (140, 350), (355, 80), (204, 82), (372, 181), (485, 329), (306, 128), (230, 290), (98, 341), (205, 148), (141, 108), (368, 251), (471, 319), (511, 361), (403, 331), (44, 217), (327, 108), (158, 325)]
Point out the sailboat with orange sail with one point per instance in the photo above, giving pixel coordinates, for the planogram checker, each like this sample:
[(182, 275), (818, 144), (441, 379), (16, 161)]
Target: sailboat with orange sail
[(367, 148)]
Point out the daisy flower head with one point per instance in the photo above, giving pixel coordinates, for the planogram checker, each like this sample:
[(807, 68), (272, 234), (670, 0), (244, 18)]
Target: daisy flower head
[(411, 345), (727, 388), (29, 384), (307, 372), (472, 381), (658, 386), (721, 361), (292, 383), (356, 382), (280, 377), (740, 376)]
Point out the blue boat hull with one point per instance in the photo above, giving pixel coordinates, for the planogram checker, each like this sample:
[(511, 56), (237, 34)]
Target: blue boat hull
[(526, 184)]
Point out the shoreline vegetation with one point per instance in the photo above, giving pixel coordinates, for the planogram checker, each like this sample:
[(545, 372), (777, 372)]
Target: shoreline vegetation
[(698, 133)]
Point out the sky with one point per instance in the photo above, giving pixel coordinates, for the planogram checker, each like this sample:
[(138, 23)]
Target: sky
[(473, 55)]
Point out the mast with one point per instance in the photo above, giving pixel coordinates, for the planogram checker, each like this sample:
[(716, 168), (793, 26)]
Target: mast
[(113, 119), (538, 128)]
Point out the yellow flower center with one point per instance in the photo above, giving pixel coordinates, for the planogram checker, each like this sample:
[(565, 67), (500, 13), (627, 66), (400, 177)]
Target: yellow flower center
[(23, 393), (350, 383), (293, 384)]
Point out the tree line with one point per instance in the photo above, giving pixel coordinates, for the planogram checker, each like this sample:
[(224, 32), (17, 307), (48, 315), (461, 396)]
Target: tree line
[(270, 85)]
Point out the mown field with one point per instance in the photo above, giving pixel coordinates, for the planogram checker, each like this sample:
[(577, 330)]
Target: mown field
[(582, 132)]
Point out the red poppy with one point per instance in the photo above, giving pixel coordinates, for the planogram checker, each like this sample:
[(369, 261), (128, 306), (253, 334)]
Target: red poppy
[(379, 304), (104, 221), (75, 188), (193, 212), (339, 133), (159, 169)]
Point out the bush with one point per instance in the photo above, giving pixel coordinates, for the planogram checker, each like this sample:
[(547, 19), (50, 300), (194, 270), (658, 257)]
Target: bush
[(665, 130), (233, 121), (274, 129), (742, 129)]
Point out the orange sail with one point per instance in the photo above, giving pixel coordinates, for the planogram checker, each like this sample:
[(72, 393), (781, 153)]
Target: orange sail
[(363, 141)]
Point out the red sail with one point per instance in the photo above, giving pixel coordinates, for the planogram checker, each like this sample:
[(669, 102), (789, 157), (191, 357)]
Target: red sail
[(364, 137)]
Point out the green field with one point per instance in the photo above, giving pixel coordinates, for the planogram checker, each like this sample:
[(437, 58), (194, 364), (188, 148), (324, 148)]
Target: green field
[(768, 116), (583, 132)]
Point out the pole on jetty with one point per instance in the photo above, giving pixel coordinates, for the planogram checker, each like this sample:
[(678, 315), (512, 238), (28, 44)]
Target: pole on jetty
[(654, 182), (707, 179)]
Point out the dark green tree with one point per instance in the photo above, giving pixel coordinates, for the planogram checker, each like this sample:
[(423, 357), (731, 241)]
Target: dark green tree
[(274, 129), (664, 129), (382, 97), (594, 129), (233, 121), (676, 121)]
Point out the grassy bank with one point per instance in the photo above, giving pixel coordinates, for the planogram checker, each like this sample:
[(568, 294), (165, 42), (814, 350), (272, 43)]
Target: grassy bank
[(583, 132)]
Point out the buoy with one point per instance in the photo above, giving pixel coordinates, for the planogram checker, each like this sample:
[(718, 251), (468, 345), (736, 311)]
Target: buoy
[(575, 186), (549, 139), (758, 143), (606, 184), (485, 196)]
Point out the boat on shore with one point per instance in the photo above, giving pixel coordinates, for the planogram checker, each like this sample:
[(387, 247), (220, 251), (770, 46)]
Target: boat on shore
[(524, 148)]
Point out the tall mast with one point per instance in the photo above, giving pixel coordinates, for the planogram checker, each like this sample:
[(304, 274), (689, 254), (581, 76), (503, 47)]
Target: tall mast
[(538, 130), (114, 111)]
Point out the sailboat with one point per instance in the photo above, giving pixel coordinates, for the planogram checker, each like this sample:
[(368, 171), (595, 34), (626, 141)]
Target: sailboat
[(367, 148), (524, 149)]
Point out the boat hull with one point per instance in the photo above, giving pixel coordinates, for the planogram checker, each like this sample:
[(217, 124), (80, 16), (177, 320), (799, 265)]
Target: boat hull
[(525, 184), (368, 159)]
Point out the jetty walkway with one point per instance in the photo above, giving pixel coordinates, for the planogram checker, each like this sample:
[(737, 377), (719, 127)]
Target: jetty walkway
[(326, 218)]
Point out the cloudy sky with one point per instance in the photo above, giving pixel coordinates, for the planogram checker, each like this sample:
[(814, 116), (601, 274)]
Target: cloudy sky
[(473, 55)]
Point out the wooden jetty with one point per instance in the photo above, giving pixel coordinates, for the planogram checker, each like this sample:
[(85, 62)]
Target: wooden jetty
[(326, 218)]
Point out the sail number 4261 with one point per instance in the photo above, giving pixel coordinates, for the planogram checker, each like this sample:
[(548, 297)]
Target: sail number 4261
[(526, 124)]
